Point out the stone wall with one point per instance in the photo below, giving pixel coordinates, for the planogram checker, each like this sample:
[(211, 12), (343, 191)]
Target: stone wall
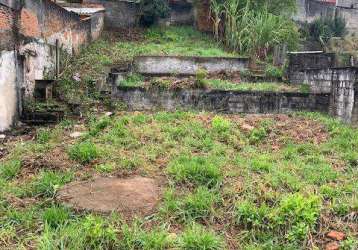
[(219, 101), (185, 65)]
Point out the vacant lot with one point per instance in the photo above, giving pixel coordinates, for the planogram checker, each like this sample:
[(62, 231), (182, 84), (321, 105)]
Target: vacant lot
[(226, 182)]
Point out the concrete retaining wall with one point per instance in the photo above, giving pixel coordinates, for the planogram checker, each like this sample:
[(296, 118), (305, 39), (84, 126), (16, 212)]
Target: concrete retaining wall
[(220, 101), (182, 65), (319, 80), (343, 100)]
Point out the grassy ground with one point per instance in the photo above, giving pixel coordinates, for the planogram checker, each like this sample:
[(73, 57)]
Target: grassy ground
[(228, 181), (135, 80)]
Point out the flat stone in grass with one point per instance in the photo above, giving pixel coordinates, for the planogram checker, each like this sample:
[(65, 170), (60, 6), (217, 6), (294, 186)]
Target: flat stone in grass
[(130, 197)]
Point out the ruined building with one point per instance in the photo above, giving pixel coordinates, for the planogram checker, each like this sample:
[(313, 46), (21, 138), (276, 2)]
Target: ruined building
[(309, 10), (33, 34)]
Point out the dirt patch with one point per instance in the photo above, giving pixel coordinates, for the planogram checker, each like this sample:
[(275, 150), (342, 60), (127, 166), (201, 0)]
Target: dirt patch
[(130, 197)]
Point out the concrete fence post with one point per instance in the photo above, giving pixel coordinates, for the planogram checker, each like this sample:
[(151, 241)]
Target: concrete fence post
[(342, 93)]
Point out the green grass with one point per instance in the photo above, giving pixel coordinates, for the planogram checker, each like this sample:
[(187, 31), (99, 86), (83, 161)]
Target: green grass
[(196, 237), (282, 185), (83, 152), (247, 86)]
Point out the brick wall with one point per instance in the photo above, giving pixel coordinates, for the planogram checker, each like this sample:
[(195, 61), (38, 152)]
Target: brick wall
[(7, 36)]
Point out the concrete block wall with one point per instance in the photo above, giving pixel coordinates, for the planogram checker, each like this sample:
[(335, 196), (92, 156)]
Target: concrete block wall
[(343, 93)]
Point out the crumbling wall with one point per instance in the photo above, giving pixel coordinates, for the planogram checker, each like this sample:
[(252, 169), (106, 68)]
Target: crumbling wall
[(29, 31)]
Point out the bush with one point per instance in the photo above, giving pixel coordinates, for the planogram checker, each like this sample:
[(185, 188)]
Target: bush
[(196, 237), (195, 170), (83, 152)]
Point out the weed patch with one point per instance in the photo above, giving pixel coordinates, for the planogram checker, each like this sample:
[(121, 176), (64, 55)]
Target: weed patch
[(83, 152), (195, 170)]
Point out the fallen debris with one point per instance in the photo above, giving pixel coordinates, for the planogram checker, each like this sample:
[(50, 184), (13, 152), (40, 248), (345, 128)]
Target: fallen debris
[(335, 235)]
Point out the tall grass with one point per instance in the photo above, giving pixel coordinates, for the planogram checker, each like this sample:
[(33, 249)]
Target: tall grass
[(250, 30)]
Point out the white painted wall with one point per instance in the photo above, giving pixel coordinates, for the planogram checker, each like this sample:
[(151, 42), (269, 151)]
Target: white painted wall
[(39, 64), (8, 95)]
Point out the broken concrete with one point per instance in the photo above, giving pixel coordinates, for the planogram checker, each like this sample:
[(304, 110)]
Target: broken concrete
[(188, 65), (130, 197)]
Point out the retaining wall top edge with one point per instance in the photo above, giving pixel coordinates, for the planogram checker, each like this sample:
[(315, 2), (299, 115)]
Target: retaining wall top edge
[(193, 57)]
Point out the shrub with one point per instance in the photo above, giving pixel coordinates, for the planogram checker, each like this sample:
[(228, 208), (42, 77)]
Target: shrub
[(56, 216), (196, 237), (10, 169), (196, 170), (83, 152)]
